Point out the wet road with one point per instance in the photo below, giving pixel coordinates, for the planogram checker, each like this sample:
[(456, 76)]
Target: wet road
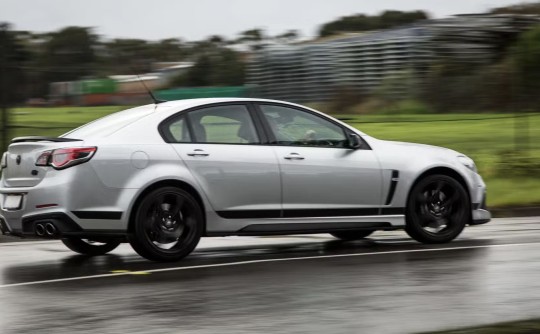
[(296, 284)]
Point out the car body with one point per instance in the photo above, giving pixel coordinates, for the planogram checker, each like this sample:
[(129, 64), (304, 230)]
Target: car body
[(247, 166)]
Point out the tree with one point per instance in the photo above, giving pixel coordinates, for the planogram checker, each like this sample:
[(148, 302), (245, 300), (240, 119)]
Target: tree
[(12, 57), (69, 54), (526, 55), (230, 69), (170, 49), (522, 8), (362, 22), (219, 66), (217, 40), (254, 38), (126, 56), (288, 36)]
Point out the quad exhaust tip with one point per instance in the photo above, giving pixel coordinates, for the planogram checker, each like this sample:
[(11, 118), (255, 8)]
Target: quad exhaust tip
[(50, 229), (40, 230)]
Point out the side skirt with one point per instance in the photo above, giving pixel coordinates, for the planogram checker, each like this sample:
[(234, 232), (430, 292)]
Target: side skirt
[(304, 228)]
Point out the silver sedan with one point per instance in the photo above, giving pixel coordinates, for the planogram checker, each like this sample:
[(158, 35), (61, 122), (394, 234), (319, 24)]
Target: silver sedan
[(162, 176)]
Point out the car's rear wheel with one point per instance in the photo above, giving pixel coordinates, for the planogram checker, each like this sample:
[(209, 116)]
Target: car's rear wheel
[(167, 225), (90, 247), (351, 235), (438, 209)]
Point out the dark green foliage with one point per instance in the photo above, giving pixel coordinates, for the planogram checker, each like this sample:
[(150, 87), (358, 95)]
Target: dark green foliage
[(69, 54), (288, 36), (126, 56), (526, 56), (362, 22), (518, 164), (508, 83), (13, 56), (522, 8), (346, 97), (216, 67)]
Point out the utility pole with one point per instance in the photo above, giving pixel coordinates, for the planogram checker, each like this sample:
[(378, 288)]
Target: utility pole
[(4, 85)]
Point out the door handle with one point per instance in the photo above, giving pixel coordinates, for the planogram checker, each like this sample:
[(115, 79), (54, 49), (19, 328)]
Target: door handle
[(294, 156), (198, 153)]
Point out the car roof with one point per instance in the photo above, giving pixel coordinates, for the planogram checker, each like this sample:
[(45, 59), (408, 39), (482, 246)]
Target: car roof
[(110, 124), (113, 122), (203, 101)]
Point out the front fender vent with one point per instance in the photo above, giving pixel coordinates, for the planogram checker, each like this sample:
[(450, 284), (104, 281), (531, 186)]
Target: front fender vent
[(393, 184)]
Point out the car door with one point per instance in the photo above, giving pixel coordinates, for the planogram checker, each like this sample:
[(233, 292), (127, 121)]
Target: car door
[(320, 175), (220, 145)]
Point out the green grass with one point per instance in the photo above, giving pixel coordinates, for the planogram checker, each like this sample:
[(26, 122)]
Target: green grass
[(487, 141), (54, 121), (487, 138)]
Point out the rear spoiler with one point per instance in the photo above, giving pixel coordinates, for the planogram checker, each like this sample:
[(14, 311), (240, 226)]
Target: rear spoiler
[(39, 138)]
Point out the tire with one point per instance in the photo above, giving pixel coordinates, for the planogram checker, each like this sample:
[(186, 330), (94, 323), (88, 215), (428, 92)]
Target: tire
[(438, 208), (167, 225), (351, 235), (87, 247)]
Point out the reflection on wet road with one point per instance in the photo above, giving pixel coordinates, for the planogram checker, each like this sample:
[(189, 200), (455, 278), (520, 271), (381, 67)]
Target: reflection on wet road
[(296, 284)]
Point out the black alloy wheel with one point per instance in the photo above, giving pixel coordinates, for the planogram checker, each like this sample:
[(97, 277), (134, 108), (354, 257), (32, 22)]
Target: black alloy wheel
[(90, 247), (438, 209), (351, 235), (168, 224)]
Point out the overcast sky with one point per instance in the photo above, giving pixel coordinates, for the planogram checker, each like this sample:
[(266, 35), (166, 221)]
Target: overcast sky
[(198, 19)]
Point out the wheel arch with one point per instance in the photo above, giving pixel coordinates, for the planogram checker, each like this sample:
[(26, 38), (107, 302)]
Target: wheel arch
[(442, 171), (167, 183)]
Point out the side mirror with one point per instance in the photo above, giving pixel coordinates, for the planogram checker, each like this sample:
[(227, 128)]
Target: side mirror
[(354, 141)]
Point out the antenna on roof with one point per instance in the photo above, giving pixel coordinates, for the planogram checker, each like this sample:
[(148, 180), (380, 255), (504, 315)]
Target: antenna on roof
[(156, 101)]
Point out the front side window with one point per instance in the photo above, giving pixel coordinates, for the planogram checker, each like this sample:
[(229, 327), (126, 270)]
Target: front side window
[(230, 124), (300, 128)]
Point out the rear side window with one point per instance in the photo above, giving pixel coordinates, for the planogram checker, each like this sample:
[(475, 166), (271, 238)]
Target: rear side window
[(229, 124), (178, 131)]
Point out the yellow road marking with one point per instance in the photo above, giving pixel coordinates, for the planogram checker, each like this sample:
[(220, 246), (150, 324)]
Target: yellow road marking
[(129, 272)]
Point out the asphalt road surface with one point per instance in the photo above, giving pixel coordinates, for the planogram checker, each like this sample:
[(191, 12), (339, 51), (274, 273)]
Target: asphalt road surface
[(296, 284)]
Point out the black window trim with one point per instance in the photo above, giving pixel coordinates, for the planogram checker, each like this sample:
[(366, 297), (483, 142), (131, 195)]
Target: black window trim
[(272, 139), (168, 138)]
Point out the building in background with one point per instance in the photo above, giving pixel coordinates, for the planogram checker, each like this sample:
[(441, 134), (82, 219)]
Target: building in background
[(393, 63), (116, 89), (395, 58)]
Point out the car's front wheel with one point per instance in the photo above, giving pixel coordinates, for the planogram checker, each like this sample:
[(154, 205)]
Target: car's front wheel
[(351, 235), (90, 247), (167, 226), (438, 209)]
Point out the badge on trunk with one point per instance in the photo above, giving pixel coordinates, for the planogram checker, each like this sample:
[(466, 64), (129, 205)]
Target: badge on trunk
[(18, 160)]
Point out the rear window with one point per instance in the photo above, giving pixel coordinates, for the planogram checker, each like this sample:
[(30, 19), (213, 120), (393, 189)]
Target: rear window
[(109, 124)]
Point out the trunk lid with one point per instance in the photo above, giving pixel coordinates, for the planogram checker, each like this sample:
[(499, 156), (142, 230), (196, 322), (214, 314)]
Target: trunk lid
[(21, 169)]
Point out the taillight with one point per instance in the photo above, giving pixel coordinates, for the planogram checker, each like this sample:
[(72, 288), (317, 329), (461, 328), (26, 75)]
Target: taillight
[(65, 157), (43, 159)]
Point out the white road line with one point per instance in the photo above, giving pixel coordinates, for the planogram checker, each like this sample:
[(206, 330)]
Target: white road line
[(239, 263), (21, 243)]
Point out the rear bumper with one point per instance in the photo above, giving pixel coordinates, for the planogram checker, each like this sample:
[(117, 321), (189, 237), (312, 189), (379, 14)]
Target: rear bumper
[(75, 199), (63, 223), (4, 227), (64, 226)]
